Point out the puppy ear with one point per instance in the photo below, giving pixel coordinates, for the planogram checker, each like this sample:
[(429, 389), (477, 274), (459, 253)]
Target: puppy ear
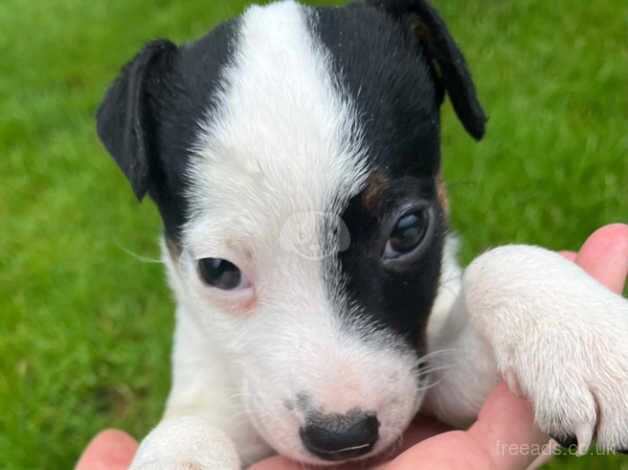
[(447, 62), (124, 119)]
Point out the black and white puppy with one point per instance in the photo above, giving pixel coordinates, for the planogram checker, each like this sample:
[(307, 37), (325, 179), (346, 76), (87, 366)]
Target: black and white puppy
[(294, 156)]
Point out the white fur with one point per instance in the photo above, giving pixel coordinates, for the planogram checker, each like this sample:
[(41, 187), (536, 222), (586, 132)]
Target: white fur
[(186, 443), (459, 390)]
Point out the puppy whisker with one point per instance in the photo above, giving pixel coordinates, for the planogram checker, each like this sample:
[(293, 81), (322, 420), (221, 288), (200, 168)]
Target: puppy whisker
[(140, 258)]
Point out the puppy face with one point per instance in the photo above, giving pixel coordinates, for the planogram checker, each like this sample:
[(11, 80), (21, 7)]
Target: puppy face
[(294, 154)]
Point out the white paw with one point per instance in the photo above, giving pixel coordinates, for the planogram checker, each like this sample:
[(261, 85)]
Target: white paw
[(560, 338), (186, 443)]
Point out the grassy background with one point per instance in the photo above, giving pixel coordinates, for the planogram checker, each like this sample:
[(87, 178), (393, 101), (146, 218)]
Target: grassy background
[(85, 324)]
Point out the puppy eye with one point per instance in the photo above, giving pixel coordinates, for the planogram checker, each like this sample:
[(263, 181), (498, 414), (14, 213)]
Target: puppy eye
[(221, 274), (407, 234)]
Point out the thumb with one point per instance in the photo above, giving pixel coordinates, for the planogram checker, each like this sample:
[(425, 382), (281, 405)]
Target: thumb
[(505, 430), (497, 440), (110, 450), (605, 256)]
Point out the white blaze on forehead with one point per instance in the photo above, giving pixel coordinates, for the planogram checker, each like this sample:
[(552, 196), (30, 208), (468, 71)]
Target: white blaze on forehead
[(281, 137)]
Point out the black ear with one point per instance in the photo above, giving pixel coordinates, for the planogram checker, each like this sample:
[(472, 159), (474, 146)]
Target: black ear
[(447, 61), (124, 121)]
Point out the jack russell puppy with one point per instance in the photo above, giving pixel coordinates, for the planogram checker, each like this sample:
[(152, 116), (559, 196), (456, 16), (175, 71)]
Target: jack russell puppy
[(294, 156)]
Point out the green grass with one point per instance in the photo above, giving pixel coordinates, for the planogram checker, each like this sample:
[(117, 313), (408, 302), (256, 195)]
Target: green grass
[(85, 327)]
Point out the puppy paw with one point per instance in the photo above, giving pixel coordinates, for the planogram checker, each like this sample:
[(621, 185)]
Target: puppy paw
[(574, 404), (186, 443), (559, 338)]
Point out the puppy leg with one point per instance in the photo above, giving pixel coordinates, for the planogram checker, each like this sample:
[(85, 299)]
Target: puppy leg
[(557, 335), (204, 426), (186, 443)]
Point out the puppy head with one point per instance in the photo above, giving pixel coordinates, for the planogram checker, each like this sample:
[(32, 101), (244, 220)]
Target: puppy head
[(294, 156)]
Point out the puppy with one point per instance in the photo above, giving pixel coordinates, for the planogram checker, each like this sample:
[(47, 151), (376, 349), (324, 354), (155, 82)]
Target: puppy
[(294, 156)]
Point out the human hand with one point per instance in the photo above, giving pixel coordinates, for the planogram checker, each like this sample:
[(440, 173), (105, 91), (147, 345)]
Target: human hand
[(429, 444)]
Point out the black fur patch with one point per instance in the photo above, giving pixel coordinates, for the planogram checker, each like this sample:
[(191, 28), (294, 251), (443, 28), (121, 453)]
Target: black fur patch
[(172, 96), (395, 299), (192, 86), (383, 71)]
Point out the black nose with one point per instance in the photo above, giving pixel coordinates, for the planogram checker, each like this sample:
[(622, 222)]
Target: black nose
[(340, 437)]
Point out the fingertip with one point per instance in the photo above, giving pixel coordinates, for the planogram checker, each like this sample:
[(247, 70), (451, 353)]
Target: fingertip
[(450, 450), (421, 428), (275, 463), (505, 425), (612, 234), (110, 449), (502, 406), (605, 256), (120, 438), (616, 230)]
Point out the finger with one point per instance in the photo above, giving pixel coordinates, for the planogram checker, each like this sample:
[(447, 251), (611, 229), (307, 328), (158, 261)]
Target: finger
[(605, 256), (505, 429), (109, 450), (504, 419), (422, 428), (276, 463), (448, 451)]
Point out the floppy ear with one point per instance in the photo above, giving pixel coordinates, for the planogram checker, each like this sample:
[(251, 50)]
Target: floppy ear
[(124, 120), (448, 63)]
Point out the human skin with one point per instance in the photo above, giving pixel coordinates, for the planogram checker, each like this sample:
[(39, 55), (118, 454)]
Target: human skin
[(428, 444)]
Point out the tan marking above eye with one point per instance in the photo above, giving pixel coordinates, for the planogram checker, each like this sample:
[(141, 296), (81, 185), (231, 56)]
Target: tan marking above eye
[(441, 189), (376, 186), (173, 249)]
